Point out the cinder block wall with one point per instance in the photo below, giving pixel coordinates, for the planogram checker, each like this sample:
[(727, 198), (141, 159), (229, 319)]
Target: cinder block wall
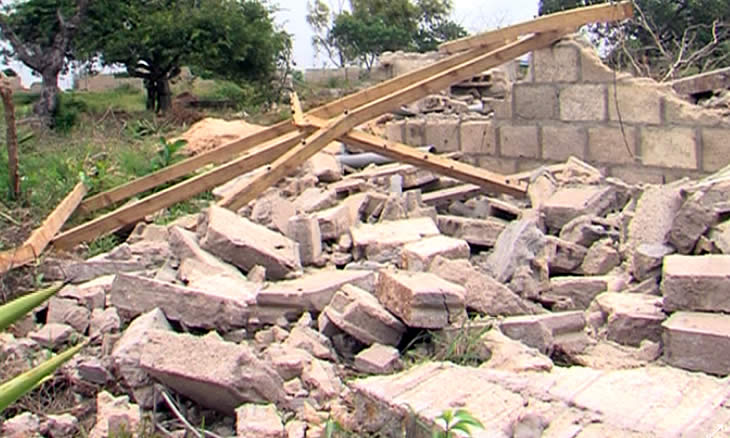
[(572, 104)]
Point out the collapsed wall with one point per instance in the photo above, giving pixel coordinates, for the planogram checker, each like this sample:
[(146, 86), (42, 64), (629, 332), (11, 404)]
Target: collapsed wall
[(571, 104)]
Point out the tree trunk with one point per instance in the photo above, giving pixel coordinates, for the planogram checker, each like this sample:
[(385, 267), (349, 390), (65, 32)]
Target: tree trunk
[(46, 106), (164, 95), (12, 139), (151, 88)]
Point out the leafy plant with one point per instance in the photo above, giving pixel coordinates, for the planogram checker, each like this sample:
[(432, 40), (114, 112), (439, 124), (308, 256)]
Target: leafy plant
[(168, 152), (18, 386), (456, 424)]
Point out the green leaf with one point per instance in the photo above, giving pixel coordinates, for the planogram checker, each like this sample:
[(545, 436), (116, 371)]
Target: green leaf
[(18, 386), (18, 308), (464, 416)]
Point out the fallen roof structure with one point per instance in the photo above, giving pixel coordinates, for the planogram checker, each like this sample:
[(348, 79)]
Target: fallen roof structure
[(285, 146)]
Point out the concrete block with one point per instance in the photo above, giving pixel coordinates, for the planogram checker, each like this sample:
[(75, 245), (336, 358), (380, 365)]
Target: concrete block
[(637, 174), (700, 283), (563, 257), (592, 67), (631, 318), (540, 331), (584, 230), (394, 131), (325, 167), (691, 222), (720, 236), (384, 241), (518, 245), (568, 203), (637, 103), (417, 256), (313, 342), (578, 291), (245, 244), (654, 215), (715, 149), (184, 245), (334, 222), (421, 300), (510, 355), (555, 64), (378, 359), (519, 141), (669, 147), (114, 414), (52, 335), (91, 294), (67, 311), (602, 257), (258, 420), (698, 342), (647, 260), (498, 164), (583, 102), (225, 374), (479, 137), (483, 293), (678, 111), (560, 142), (304, 230), (535, 102), (608, 144), (273, 211), (482, 232), (415, 132), (315, 199), (358, 313), (443, 134)]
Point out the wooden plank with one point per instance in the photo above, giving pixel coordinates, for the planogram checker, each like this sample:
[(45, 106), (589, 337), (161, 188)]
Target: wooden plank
[(573, 18), (179, 192), (337, 128), (296, 109), (41, 237), (178, 170)]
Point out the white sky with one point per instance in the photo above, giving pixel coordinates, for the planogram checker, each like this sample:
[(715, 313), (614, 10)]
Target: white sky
[(474, 15)]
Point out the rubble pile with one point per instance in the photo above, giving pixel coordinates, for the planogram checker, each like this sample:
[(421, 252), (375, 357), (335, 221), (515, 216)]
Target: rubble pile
[(593, 308)]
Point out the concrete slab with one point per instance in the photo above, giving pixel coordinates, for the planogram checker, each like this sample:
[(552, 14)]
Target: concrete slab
[(699, 283), (698, 341)]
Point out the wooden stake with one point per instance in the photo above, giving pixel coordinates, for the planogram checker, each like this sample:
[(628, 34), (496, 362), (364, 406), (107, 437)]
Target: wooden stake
[(11, 137)]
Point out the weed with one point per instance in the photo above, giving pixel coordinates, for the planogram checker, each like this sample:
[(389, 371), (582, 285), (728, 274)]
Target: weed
[(456, 424), (168, 152), (67, 112), (460, 345), (102, 244)]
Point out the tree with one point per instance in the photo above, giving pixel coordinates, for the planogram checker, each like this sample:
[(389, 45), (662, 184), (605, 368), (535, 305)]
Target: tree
[(231, 39), (667, 38), (372, 27), (40, 36), (320, 18)]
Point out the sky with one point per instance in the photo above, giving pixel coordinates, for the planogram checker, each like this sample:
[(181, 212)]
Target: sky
[(475, 15)]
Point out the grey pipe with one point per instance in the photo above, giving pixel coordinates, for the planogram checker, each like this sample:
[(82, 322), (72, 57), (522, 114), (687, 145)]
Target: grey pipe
[(358, 161)]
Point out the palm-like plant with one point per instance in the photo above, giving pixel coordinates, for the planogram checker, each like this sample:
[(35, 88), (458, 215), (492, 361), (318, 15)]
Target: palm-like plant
[(454, 422)]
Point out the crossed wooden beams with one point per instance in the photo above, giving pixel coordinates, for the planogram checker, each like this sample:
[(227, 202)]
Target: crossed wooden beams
[(284, 147)]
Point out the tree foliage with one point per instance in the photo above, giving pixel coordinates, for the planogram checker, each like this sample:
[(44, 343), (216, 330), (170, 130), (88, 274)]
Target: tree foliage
[(667, 38), (231, 39), (372, 27)]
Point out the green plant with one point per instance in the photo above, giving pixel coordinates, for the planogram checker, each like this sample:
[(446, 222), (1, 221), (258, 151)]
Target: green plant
[(67, 112), (168, 152), (455, 424), (18, 386)]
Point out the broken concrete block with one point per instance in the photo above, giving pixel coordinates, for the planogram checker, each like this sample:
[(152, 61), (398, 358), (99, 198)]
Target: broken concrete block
[(417, 256), (225, 374), (698, 283), (543, 331), (568, 203), (483, 293), (579, 291), (103, 322), (334, 222), (584, 230), (272, 211), (648, 258), (184, 245), (482, 232), (394, 208), (115, 415), (64, 311), (61, 426), (563, 257), (720, 236), (52, 335), (23, 425), (378, 359), (309, 293), (420, 299), (383, 242), (691, 222), (93, 370), (325, 167), (91, 294), (358, 313), (510, 355), (221, 308), (245, 244), (315, 199), (257, 420), (304, 230), (518, 245), (311, 341), (631, 318), (654, 215), (698, 342), (288, 361), (127, 352), (601, 258)]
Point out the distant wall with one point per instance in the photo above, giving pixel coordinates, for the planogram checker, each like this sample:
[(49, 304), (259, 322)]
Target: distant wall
[(105, 82), (322, 76), (572, 104)]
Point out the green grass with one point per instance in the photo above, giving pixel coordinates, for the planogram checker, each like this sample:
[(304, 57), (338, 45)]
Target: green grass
[(124, 98)]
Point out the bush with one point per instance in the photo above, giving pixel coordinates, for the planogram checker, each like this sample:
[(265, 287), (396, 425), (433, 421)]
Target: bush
[(67, 112)]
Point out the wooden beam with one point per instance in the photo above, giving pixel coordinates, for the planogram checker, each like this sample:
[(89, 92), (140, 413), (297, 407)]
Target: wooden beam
[(296, 109), (179, 192), (573, 18), (339, 127), (41, 237)]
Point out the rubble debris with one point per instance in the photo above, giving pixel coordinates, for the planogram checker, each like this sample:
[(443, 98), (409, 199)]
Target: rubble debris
[(629, 318), (602, 257), (21, 426), (66, 311), (378, 359), (546, 331), (648, 258), (698, 342), (259, 421), (569, 203), (52, 335), (417, 256), (305, 231), (697, 283), (574, 292), (383, 242), (115, 415), (245, 244), (421, 299), (482, 232), (510, 355)]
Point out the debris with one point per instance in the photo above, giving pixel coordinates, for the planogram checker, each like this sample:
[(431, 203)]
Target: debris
[(417, 256), (305, 231), (631, 318), (378, 359), (511, 355), (256, 420), (569, 203), (482, 232), (52, 335), (384, 241), (115, 415), (698, 342), (696, 283)]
